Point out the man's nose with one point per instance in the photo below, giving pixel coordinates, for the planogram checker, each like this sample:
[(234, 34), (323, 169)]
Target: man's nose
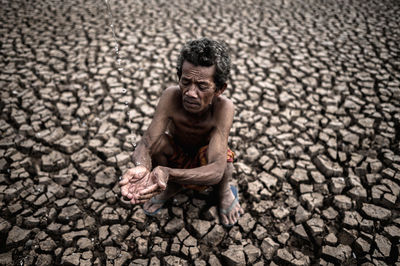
[(191, 92)]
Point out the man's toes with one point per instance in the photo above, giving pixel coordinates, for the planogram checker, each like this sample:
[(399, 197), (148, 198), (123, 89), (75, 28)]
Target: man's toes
[(225, 219), (233, 218)]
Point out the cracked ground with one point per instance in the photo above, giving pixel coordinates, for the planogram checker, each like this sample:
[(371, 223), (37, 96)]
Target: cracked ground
[(316, 133)]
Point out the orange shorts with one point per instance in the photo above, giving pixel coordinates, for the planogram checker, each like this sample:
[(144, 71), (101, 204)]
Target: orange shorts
[(182, 160)]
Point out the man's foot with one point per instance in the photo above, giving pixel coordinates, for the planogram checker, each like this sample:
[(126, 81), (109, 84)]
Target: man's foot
[(154, 205), (230, 209)]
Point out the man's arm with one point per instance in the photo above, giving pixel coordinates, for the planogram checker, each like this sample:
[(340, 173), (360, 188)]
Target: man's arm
[(143, 152), (136, 179)]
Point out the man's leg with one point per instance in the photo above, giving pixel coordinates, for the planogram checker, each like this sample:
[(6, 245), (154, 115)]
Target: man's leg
[(226, 198), (163, 150)]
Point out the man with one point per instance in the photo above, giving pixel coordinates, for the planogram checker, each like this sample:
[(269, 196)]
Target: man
[(187, 140)]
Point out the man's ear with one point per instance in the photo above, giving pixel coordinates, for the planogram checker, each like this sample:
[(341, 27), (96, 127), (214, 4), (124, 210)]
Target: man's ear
[(221, 90)]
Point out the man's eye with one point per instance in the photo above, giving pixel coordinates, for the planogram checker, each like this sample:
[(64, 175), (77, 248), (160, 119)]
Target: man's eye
[(203, 87), (185, 82)]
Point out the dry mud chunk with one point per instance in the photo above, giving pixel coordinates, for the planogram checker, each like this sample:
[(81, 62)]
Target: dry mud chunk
[(268, 247), (312, 200), (70, 213), (301, 232), (299, 176), (173, 261), (215, 236), (70, 143), (234, 255), (383, 245), (17, 236), (72, 259), (201, 227), (69, 237), (362, 246), (246, 222), (301, 215), (252, 253), (376, 212), (336, 254), (281, 212), (316, 226), (175, 225), (107, 177), (54, 161), (342, 202), (358, 193), (327, 167)]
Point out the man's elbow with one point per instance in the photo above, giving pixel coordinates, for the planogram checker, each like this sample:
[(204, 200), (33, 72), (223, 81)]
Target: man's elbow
[(218, 173)]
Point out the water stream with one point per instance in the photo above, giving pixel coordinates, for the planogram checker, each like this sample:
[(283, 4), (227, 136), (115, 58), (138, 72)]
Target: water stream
[(116, 42), (120, 64)]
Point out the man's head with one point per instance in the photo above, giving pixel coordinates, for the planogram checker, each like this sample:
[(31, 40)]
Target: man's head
[(206, 52)]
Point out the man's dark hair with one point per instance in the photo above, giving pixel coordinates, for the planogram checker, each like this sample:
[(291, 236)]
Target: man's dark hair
[(207, 52)]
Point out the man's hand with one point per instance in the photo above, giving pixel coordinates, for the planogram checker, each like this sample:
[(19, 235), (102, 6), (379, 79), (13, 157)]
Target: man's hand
[(134, 180), (159, 179)]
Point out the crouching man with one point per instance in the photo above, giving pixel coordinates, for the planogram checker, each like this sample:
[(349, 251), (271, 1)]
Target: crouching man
[(186, 144)]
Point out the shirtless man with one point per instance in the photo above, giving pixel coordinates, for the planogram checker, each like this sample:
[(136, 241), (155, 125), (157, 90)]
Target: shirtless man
[(187, 140)]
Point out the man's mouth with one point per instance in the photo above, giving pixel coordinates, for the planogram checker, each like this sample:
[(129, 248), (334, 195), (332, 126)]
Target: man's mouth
[(190, 102)]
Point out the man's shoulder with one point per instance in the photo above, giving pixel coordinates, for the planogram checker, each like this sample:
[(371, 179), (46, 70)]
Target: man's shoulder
[(170, 97), (171, 91), (224, 104)]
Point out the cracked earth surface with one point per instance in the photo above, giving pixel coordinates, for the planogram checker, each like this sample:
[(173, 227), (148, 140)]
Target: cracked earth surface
[(316, 133)]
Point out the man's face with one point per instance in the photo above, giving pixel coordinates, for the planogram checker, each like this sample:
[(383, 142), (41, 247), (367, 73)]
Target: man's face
[(197, 87)]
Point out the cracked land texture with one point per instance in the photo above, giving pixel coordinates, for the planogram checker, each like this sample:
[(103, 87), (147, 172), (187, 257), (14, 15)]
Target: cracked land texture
[(316, 85)]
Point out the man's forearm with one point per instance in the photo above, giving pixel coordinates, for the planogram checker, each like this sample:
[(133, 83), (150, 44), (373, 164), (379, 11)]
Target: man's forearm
[(141, 155), (207, 175)]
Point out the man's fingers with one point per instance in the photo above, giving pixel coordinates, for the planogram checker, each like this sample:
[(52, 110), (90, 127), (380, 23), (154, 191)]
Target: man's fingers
[(162, 185), (149, 195), (149, 189), (123, 181), (124, 190)]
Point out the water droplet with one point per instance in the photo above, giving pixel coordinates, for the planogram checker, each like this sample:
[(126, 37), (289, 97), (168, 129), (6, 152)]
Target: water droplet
[(120, 178), (119, 61), (134, 144), (123, 90), (38, 134), (111, 25), (92, 239), (21, 262), (121, 69), (67, 217), (8, 170), (14, 92), (127, 113), (126, 103)]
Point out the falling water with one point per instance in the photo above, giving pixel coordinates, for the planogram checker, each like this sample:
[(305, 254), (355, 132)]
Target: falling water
[(119, 62), (116, 43)]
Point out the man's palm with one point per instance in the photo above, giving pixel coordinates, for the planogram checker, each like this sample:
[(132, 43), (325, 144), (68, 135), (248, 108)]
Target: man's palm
[(133, 181)]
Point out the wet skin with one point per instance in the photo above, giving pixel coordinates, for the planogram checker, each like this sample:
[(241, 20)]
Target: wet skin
[(195, 114)]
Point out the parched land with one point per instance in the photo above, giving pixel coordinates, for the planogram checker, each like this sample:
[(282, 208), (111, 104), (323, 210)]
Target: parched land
[(316, 133)]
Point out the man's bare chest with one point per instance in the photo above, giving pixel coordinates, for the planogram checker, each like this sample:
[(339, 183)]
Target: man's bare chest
[(191, 132)]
